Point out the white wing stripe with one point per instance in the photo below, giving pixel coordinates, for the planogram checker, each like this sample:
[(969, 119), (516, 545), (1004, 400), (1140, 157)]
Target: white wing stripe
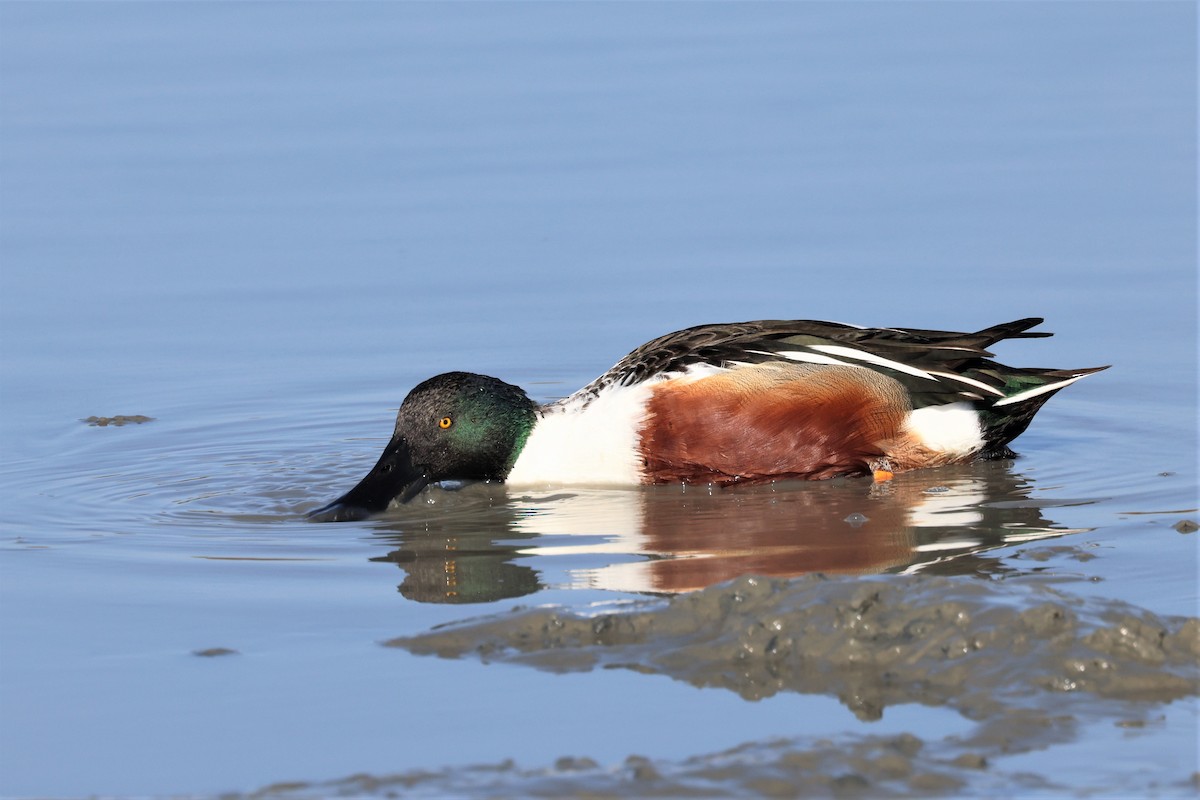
[(810, 358), (971, 381), (1031, 393), (862, 355)]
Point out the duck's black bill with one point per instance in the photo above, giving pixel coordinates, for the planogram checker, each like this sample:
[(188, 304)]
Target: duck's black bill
[(393, 478)]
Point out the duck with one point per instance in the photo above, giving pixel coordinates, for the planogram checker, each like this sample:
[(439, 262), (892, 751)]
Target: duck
[(723, 404)]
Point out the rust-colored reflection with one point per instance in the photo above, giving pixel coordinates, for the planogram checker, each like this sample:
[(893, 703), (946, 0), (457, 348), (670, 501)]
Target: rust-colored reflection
[(487, 543), (935, 520)]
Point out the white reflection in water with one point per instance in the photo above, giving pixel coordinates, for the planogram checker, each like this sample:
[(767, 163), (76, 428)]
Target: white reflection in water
[(685, 538)]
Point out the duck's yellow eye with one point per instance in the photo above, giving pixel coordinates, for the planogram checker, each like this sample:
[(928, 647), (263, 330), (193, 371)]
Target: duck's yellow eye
[(445, 422)]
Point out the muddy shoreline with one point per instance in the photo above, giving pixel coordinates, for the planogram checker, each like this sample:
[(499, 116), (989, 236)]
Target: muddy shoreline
[(1029, 663)]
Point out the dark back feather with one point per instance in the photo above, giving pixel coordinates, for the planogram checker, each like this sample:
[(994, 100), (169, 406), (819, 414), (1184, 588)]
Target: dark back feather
[(764, 340)]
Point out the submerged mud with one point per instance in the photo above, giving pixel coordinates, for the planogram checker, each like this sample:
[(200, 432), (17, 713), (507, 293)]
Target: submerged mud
[(871, 643), (1030, 664), (851, 766), (118, 420)]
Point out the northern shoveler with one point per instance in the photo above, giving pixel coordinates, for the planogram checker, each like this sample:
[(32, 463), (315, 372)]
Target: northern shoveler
[(722, 404)]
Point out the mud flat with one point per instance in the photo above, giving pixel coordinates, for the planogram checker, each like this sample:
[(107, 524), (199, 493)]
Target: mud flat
[(1028, 663)]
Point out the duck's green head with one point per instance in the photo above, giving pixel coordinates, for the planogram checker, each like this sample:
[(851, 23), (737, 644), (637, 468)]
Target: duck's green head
[(455, 426)]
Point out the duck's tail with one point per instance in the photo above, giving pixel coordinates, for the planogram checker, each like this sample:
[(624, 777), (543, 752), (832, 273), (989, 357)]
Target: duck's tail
[(1025, 391)]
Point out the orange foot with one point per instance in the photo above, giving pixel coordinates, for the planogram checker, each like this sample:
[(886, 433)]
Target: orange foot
[(881, 469)]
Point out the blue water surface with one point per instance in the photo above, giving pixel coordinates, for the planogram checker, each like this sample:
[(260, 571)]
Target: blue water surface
[(261, 224)]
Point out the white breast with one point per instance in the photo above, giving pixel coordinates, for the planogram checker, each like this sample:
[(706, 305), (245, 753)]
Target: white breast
[(596, 442), (951, 428)]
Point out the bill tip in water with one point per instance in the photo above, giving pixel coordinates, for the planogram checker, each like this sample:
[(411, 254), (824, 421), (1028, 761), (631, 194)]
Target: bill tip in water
[(338, 511)]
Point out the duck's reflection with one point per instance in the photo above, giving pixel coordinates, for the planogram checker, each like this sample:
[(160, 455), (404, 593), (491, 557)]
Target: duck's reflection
[(459, 547), (483, 543)]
